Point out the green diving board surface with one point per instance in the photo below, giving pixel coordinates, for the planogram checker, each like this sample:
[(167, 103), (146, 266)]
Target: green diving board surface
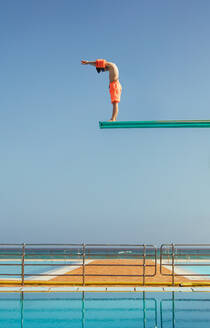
[(155, 124)]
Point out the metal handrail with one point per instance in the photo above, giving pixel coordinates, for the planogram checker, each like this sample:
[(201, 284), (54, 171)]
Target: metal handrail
[(81, 253), (178, 252), (71, 251)]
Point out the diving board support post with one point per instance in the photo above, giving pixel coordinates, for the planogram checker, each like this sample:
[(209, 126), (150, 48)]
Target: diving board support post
[(155, 124)]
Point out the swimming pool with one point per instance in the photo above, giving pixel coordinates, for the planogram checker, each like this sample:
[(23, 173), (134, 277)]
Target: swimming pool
[(198, 272), (105, 310), (31, 268), (202, 270)]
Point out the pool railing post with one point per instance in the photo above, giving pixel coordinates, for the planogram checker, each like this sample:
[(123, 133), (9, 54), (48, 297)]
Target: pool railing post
[(83, 265), (155, 261), (144, 264), (160, 250), (173, 256), (23, 262)]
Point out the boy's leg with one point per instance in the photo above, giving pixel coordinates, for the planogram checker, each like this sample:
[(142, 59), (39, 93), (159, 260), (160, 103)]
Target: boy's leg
[(115, 111)]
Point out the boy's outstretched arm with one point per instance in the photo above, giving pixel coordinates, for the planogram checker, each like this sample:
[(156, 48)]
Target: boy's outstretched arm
[(85, 62)]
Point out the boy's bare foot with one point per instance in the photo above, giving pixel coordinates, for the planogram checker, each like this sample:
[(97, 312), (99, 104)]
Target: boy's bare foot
[(112, 120)]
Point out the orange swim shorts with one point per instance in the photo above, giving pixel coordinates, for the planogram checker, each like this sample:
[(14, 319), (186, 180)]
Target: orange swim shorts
[(115, 90)]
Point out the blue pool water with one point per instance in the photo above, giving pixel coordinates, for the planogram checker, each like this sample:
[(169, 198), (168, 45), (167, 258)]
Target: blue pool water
[(202, 270), (14, 271), (105, 310)]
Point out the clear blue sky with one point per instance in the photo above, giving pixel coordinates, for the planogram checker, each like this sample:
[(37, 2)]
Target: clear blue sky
[(64, 180)]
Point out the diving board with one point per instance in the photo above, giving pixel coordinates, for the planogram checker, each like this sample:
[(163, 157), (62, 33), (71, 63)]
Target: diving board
[(156, 124)]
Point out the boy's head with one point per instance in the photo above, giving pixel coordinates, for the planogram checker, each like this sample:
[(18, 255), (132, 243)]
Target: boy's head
[(99, 70)]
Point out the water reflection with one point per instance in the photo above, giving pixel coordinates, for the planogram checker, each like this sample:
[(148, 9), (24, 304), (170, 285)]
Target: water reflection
[(57, 311), (22, 309), (185, 312), (54, 310)]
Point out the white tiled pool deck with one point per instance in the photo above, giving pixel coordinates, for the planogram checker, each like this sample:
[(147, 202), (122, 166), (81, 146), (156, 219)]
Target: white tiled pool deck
[(103, 289)]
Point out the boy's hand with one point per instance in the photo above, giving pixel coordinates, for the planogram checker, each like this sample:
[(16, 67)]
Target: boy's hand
[(84, 62)]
